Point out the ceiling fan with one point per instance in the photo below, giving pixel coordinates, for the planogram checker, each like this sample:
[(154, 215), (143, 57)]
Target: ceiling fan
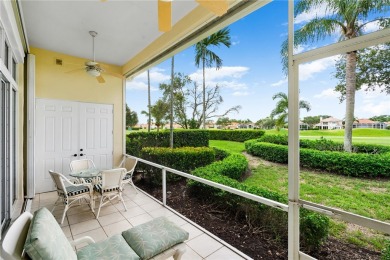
[(218, 7), (93, 68)]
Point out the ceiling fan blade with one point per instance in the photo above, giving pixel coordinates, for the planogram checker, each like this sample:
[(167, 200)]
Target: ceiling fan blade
[(218, 7), (114, 74), (100, 79), (164, 15)]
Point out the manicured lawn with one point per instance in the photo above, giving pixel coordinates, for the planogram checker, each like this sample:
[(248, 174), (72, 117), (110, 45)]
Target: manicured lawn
[(366, 197), (355, 132), (365, 136), (355, 140)]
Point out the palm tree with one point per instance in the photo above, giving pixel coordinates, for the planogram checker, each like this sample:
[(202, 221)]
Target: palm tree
[(281, 109), (348, 17), (171, 103), (206, 57)]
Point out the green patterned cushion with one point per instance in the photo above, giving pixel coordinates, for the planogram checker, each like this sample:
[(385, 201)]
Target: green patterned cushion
[(45, 239), (112, 248), (154, 237)]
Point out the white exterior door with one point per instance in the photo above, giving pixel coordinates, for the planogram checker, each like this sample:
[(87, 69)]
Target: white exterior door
[(66, 131)]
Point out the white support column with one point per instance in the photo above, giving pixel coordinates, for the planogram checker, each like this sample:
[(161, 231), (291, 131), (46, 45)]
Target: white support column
[(30, 185), (293, 142)]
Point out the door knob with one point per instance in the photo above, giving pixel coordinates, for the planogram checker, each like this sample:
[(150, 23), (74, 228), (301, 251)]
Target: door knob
[(81, 154), (75, 155)]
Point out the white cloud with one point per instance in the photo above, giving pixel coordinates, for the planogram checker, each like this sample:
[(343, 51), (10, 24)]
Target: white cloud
[(371, 27), (240, 93), (307, 16), (140, 82), (234, 43), (376, 108), (139, 85), (279, 83), (156, 75), (308, 70), (225, 77), (327, 93)]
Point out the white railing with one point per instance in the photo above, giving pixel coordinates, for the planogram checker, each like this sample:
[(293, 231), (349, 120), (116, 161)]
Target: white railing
[(241, 193), (332, 212)]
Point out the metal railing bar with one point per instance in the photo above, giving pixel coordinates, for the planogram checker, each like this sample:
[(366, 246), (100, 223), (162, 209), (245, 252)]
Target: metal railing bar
[(241, 193), (350, 217), (304, 256), (197, 226)]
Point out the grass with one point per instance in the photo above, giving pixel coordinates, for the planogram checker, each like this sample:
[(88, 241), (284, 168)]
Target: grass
[(366, 132), (366, 197), (365, 136), (234, 147)]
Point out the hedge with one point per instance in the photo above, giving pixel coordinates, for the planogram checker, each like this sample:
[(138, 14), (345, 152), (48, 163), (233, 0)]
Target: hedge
[(235, 135), (351, 164), (183, 159), (324, 144), (135, 141), (314, 227)]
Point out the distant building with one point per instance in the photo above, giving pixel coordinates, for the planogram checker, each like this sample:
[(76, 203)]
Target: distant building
[(330, 123), (367, 123), (303, 126)]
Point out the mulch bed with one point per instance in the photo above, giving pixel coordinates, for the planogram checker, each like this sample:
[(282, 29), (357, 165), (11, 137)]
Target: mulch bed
[(257, 243)]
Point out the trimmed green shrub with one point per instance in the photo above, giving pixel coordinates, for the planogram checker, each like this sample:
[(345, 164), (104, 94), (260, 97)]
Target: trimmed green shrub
[(314, 227), (267, 151), (220, 154), (235, 135), (183, 159), (358, 165), (135, 141), (274, 139), (324, 144), (386, 251)]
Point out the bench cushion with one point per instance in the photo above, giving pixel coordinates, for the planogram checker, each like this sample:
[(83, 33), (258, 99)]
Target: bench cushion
[(46, 240), (154, 237), (112, 248)]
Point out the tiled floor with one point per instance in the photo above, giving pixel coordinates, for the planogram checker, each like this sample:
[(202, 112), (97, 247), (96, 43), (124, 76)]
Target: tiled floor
[(113, 219)]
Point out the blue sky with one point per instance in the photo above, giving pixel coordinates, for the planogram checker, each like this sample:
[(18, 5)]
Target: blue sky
[(252, 72)]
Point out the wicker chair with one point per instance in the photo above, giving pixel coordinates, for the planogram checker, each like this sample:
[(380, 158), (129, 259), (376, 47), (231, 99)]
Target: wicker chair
[(129, 164), (70, 193)]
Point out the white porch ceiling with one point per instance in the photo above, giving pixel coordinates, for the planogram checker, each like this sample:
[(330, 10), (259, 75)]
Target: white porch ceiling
[(124, 27)]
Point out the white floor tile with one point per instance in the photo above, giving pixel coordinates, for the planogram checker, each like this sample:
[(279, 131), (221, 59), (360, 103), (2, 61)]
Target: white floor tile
[(117, 228), (138, 220), (204, 245), (84, 226), (224, 253), (111, 218)]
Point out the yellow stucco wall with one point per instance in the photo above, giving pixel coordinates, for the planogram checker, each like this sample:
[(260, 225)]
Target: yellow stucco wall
[(53, 82)]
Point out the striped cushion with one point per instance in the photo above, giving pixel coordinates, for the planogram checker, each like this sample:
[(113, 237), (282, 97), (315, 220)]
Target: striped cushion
[(75, 190), (98, 188), (128, 176)]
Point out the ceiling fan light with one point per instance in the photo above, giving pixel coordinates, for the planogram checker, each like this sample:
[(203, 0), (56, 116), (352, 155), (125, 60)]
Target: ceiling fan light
[(93, 72)]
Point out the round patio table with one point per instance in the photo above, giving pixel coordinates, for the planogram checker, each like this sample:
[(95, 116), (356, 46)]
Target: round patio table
[(86, 175)]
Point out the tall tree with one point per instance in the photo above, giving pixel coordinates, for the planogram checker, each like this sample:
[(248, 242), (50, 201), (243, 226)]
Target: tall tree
[(188, 101), (171, 103), (131, 117), (372, 70), (207, 58), (160, 112), (281, 109), (149, 104), (348, 18)]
